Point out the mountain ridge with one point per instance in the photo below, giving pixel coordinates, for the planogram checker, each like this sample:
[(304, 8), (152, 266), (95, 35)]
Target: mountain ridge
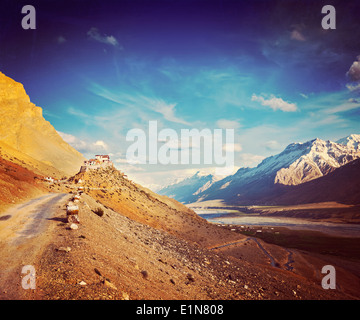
[(296, 164)]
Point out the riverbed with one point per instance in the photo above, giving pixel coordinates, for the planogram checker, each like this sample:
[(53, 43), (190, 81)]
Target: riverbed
[(231, 218)]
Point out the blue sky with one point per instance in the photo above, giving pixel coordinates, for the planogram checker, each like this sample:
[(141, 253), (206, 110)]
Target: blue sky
[(267, 69)]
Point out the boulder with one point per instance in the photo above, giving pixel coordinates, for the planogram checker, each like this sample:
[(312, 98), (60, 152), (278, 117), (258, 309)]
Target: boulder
[(74, 218), (74, 226), (72, 210), (65, 249)]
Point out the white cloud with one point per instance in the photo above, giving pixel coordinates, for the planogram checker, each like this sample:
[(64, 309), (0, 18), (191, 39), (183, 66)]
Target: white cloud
[(354, 71), (84, 146), (121, 161), (297, 35), (130, 168), (232, 147), (94, 34), (354, 76), (228, 124), (250, 160), (101, 144), (272, 145), (275, 103), (353, 87)]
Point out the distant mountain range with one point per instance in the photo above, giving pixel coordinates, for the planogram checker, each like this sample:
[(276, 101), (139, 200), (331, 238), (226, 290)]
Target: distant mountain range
[(298, 164), (341, 185), (193, 185)]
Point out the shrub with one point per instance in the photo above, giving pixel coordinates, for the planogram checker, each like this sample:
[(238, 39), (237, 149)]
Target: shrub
[(99, 211)]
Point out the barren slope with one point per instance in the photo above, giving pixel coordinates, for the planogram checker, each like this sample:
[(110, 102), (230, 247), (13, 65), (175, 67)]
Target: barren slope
[(24, 129), (17, 184), (142, 205), (113, 257), (149, 248)]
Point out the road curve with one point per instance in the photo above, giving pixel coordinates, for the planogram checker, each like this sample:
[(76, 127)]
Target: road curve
[(24, 233), (272, 260), (28, 219)]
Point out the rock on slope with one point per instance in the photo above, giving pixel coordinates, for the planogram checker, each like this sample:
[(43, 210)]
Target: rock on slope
[(24, 131)]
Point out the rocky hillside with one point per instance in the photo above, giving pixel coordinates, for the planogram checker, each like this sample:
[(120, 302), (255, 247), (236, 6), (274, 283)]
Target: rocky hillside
[(111, 188), (24, 133), (17, 184), (113, 257)]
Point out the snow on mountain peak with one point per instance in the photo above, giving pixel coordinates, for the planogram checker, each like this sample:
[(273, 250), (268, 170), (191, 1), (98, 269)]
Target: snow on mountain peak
[(319, 159), (353, 141), (296, 164)]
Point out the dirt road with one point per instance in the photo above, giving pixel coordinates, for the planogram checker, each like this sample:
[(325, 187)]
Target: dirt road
[(266, 252), (24, 231)]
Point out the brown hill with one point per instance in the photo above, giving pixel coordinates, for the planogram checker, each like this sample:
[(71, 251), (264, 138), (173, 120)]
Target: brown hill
[(148, 247), (25, 134), (111, 188), (114, 257), (17, 183)]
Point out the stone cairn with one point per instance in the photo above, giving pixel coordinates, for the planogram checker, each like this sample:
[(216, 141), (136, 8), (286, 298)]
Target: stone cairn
[(72, 210)]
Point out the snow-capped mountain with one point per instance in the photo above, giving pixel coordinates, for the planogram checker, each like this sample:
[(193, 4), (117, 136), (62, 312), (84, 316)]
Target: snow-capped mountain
[(190, 187), (341, 185), (321, 157), (352, 141), (297, 164)]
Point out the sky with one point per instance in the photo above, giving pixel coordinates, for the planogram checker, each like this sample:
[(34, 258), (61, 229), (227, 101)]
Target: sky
[(266, 69)]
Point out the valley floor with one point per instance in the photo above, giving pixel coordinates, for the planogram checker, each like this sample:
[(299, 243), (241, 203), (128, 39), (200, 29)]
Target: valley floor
[(114, 257)]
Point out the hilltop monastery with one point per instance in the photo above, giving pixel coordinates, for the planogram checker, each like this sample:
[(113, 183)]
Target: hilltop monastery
[(100, 161)]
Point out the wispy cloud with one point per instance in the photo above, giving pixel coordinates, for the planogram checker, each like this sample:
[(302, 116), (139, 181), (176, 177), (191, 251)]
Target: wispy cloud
[(228, 124), (346, 106), (275, 103), (84, 146), (250, 160), (167, 110), (272, 145), (139, 102), (94, 34)]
